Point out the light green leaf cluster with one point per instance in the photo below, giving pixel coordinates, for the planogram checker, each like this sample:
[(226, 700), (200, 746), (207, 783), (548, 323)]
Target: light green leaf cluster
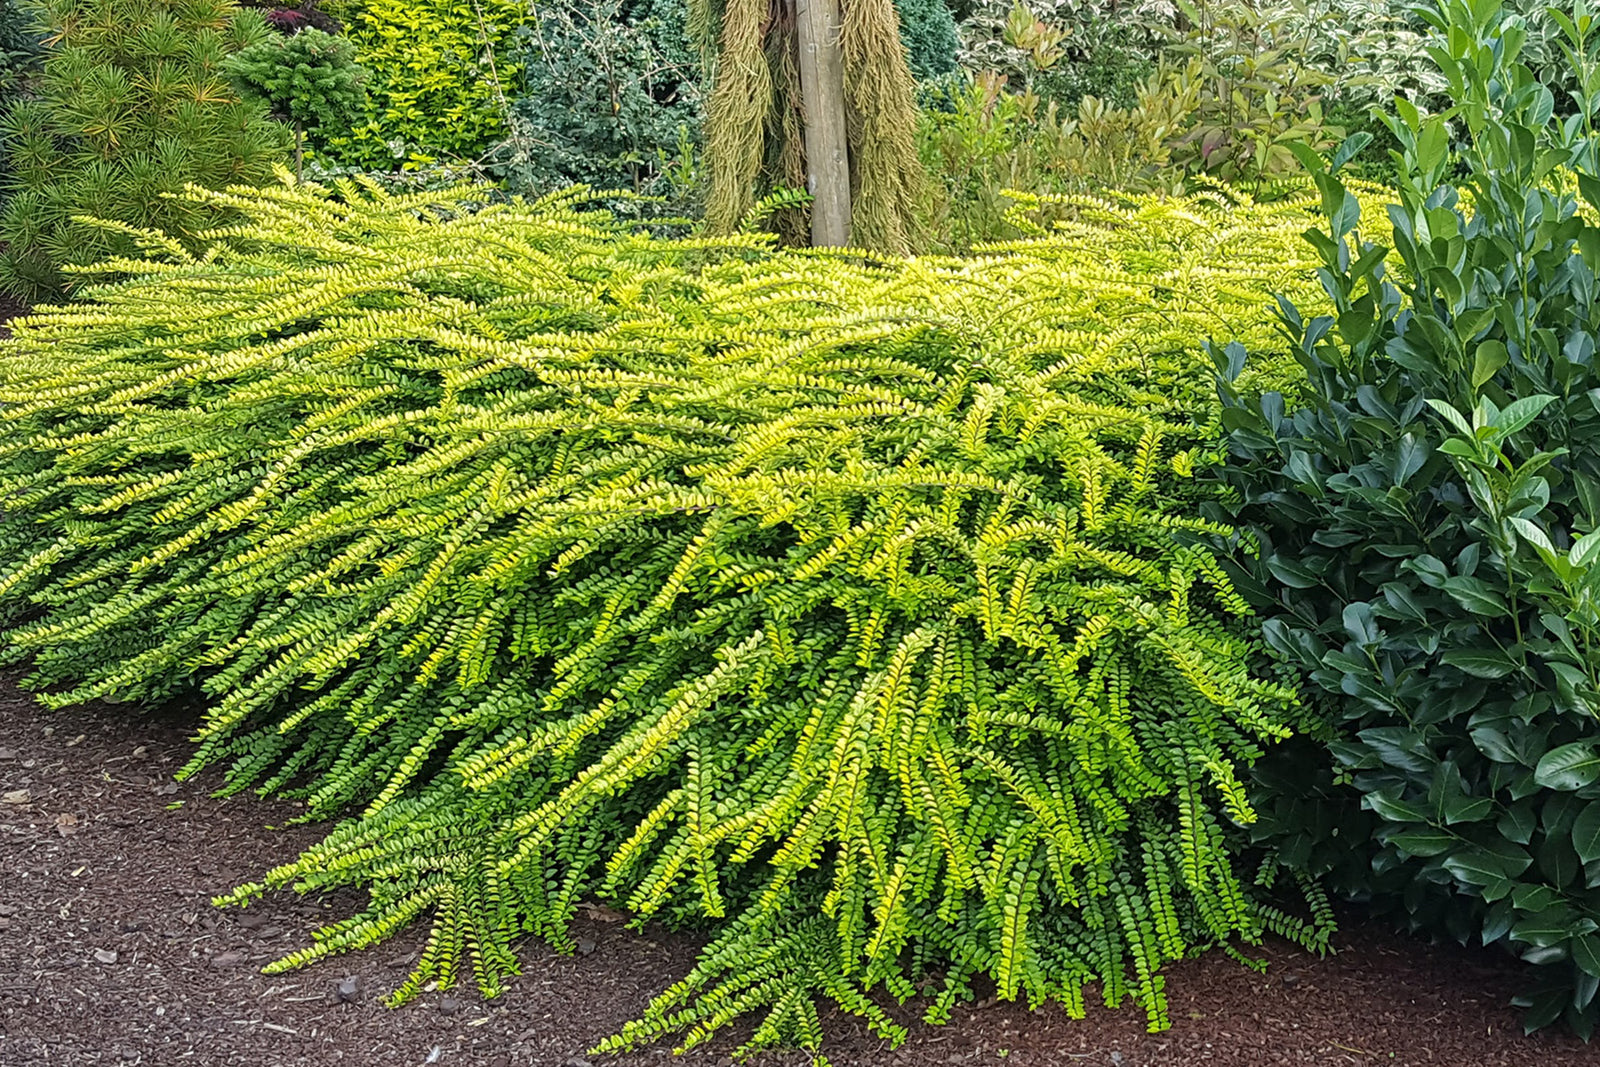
[(860, 607), (442, 73)]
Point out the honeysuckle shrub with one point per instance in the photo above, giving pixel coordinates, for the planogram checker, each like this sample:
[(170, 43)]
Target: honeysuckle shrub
[(1426, 506), (857, 610)]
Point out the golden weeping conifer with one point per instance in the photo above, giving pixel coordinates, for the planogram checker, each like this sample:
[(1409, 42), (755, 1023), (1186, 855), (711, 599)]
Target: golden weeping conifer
[(755, 127)]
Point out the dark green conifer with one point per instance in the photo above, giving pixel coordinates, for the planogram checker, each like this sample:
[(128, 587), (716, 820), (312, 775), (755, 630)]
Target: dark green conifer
[(309, 79), (132, 105)]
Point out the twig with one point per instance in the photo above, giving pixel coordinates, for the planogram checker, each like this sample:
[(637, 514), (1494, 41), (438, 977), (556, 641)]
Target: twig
[(1357, 1051)]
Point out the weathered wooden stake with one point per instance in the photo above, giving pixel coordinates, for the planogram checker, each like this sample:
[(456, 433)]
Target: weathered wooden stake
[(822, 92)]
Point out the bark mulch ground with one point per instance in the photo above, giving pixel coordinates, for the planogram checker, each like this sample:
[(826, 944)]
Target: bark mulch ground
[(10, 308), (111, 953)]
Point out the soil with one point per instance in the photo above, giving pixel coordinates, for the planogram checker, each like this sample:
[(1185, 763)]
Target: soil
[(111, 953)]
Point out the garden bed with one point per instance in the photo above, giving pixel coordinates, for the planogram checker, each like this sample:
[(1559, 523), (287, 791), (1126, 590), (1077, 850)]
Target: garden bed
[(109, 855)]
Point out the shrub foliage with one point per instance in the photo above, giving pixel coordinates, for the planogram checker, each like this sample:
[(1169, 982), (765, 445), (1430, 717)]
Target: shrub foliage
[(309, 79), (858, 608), (21, 54), (20, 49), (442, 78), (1428, 509), (610, 97)]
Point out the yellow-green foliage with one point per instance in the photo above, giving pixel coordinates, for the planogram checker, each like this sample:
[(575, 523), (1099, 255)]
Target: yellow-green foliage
[(860, 608), (441, 75)]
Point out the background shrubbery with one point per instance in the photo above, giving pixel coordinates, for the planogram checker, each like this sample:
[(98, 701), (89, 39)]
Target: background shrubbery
[(1064, 50), (1063, 96), (604, 92), (132, 104), (21, 53), (20, 50), (611, 97), (309, 80), (443, 73)]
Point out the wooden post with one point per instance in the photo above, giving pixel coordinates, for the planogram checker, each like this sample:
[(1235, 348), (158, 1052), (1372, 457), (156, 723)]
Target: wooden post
[(822, 93)]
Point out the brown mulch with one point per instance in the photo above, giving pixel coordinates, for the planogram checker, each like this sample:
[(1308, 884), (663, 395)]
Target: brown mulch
[(111, 953)]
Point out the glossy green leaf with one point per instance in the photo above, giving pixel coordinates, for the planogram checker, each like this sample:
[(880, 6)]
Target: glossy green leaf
[(1489, 358), (1394, 809), (1410, 456), (1476, 595), (1451, 415), (1570, 767), (1480, 867), (1348, 149), (1586, 833), (1558, 862), (1459, 808), (1584, 549), (1586, 954), (1519, 413), (1430, 569), (1481, 663), (1517, 822), (1532, 533), (1425, 841), (1552, 926)]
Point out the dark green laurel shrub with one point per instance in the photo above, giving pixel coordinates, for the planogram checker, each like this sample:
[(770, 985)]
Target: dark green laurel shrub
[(1426, 507), (858, 609)]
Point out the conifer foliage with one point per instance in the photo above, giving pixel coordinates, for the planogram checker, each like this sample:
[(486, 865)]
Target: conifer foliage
[(309, 79), (132, 104), (858, 609)]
